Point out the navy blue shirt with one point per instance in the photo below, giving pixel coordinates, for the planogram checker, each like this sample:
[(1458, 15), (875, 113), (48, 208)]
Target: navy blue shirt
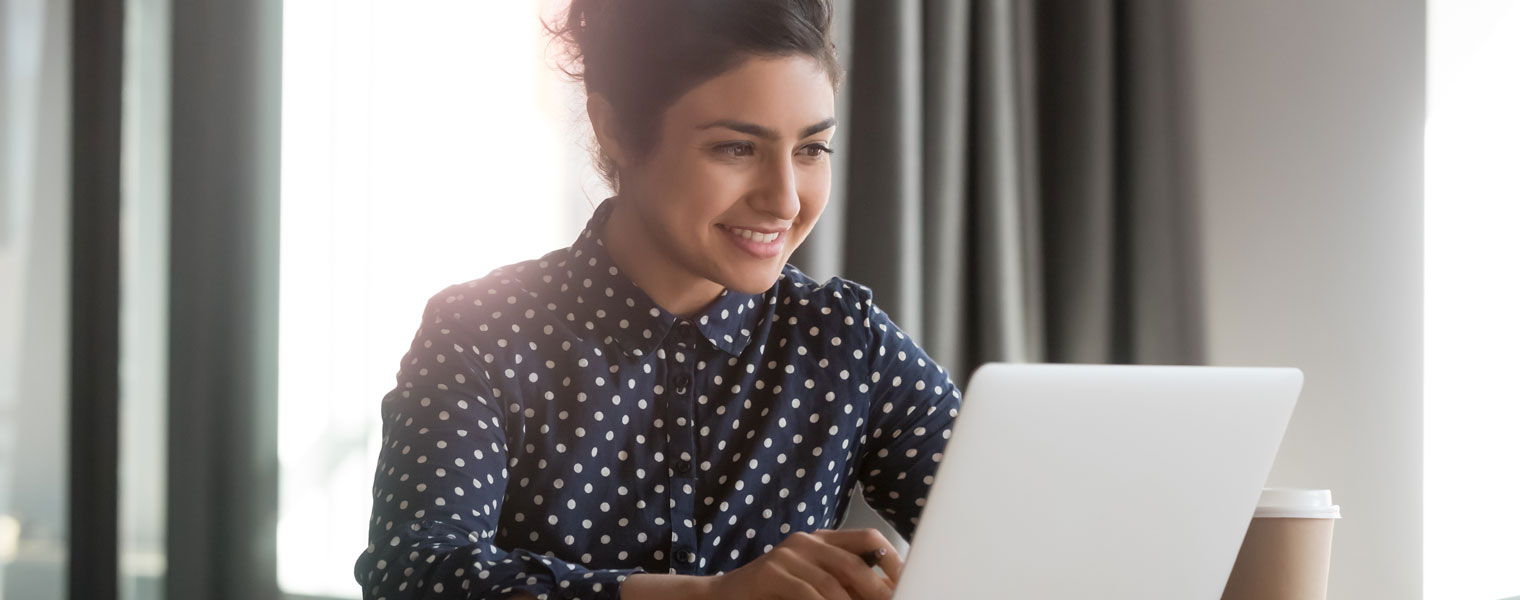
[(552, 430)]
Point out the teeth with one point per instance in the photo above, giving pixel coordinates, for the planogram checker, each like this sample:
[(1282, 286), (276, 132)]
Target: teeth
[(755, 236)]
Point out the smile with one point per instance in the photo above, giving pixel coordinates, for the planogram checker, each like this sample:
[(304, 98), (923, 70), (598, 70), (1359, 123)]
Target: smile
[(752, 235), (760, 244)]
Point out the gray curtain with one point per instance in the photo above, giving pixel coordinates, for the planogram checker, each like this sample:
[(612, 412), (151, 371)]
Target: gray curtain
[(1012, 185), (94, 296), (36, 164), (224, 182)]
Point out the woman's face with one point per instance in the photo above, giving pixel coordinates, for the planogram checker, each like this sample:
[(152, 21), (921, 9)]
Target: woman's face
[(740, 173)]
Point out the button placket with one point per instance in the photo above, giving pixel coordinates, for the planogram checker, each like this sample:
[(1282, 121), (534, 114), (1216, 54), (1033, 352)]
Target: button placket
[(678, 391)]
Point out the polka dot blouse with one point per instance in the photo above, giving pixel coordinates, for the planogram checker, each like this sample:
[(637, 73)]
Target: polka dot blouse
[(554, 431)]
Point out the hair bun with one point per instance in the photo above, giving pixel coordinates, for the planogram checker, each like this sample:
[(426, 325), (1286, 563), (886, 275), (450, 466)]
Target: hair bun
[(642, 55), (578, 32)]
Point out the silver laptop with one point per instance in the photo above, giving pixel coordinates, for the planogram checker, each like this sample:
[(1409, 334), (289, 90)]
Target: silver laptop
[(1067, 481)]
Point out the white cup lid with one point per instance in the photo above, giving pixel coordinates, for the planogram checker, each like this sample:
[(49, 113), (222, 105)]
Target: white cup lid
[(1288, 503)]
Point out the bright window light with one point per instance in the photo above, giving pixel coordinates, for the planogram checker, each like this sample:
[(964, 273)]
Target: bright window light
[(425, 143), (1472, 300)]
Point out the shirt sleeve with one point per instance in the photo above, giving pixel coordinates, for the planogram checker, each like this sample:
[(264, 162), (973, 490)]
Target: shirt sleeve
[(442, 476), (913, 405)]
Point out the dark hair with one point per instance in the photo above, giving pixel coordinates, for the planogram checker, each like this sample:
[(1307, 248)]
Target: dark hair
[(642, 55)]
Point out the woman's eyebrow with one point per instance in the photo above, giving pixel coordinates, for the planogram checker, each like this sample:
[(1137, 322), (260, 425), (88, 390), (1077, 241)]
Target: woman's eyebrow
[(764, 132)]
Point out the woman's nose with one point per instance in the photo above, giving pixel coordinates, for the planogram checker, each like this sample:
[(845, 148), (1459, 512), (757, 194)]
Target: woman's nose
[(778, 193)]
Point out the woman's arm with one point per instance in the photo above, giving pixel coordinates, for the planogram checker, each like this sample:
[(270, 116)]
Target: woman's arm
[(442, 477), (913, 405), (817, 565), (655, 586)]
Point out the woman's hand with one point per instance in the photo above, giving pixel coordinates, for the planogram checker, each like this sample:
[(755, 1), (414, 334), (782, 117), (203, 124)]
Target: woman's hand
[(822, 565)]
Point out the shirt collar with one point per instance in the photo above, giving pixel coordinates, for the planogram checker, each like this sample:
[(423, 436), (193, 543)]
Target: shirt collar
[(612, 305)]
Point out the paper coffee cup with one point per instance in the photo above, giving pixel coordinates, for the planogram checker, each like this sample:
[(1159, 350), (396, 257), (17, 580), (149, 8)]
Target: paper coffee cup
[(1286, 551)]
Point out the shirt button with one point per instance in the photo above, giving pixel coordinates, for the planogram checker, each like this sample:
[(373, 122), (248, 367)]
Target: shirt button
[(682, 380), (683, 466), (683, 555)]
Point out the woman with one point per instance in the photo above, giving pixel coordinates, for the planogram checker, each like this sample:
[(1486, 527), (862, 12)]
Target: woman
[(665, 409)]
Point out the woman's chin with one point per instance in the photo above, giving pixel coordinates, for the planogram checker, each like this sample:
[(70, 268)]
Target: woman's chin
[(754, 281)]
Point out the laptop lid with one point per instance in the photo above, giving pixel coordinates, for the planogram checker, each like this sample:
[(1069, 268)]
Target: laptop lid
[(1070, 481)]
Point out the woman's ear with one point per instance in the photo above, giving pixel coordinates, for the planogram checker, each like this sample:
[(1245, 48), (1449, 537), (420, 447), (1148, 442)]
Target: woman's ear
[(604, 125)]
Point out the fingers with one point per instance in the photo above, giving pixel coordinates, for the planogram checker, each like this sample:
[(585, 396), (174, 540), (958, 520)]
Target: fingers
[(856, 541), (791, 585), (843, 565), (820, 583)]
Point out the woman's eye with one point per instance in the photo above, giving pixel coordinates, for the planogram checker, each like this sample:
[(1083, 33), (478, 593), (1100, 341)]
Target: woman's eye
[(736, 150), (817, 150)]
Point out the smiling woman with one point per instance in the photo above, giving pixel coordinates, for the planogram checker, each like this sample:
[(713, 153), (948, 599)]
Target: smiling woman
[(723, 200), (665, 408)]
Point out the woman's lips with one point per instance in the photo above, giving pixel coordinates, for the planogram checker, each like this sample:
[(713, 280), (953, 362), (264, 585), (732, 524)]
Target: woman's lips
[(759, 244)]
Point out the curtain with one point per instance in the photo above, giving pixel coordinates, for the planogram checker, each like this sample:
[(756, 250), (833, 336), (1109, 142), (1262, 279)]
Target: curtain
[(36, 163), (224, 183), (218, 154), (1012, 185), (1116, 213), (95, 296)]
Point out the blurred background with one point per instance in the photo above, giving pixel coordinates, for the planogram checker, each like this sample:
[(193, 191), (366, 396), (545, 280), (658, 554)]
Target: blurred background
[(220, 221)]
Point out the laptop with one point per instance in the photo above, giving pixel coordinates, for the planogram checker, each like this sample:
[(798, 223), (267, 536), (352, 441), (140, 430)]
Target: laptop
[(1075, 482)]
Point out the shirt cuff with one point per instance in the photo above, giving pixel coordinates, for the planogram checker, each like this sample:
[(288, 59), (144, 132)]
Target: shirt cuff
[(600, 584)]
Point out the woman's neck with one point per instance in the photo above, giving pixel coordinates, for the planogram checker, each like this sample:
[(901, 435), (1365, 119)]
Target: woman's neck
[(647, 263)]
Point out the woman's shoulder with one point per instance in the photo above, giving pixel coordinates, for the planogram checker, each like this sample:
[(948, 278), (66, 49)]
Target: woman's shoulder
[(835, 294), (505, 294)]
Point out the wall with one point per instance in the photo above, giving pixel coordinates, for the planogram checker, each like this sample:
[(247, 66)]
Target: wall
[(1308, 120)]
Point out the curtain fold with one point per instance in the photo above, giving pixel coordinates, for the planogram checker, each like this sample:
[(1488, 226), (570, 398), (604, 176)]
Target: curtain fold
[(883, 239), (95, 296), (947, 117), (224, 184), (1117, 213), (1165, 307), (1014, 180)]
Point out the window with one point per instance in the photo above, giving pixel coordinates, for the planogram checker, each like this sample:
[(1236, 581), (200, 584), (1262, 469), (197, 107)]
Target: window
[(424, 145), (1472, 300), (34, 300)]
